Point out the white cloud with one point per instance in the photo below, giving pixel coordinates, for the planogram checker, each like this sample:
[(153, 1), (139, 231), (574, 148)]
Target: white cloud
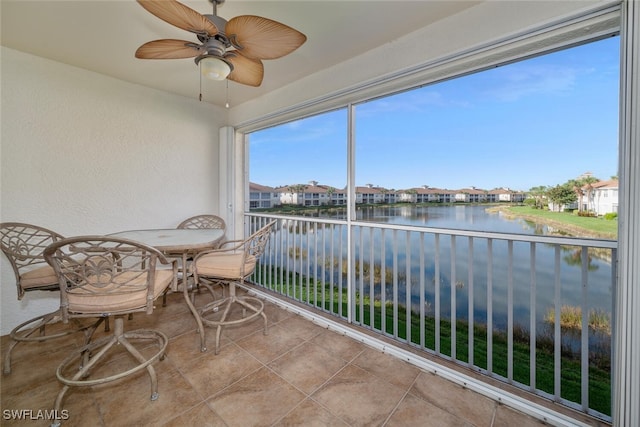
[(517, 82)]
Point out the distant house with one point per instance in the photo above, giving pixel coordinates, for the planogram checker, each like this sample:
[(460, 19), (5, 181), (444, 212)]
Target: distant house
[(602, 197), (408, 196), (505, 195), (390, 196), (425, 194), (337, 196), (291, 194), (262, 197), (471, 195), (314, 194), (311, 194), (370, 194)]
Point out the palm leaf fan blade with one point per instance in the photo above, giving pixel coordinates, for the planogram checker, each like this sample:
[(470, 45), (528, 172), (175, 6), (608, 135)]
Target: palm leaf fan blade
[(262, 38), (247, 71), (167, 49), (179, 15)]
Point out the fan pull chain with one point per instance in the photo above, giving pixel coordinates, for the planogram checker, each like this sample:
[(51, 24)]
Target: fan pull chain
[(227, 96), (200, 74)]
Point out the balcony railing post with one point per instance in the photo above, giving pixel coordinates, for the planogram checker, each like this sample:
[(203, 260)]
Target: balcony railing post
[(584, 336), (305, 256)]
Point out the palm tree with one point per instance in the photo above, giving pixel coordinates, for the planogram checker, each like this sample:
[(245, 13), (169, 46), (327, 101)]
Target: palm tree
[(538, 194), (296, 190), (586, 182), (330, 191), (413, 193), (576, 185)]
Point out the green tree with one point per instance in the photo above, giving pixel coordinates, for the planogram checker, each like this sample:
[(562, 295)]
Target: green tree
[(538, 194), (562, 195)]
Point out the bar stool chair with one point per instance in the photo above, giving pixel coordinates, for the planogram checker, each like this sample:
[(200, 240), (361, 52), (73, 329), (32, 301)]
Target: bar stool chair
[(203, 221), (197, 222), (231, 265), (23, 245), (102, 277)]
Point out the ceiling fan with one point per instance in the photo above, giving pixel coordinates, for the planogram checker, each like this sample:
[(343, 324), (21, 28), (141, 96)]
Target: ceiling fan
[(231, 49)]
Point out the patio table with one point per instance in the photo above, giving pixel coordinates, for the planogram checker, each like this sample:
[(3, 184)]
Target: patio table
[(184, 242)]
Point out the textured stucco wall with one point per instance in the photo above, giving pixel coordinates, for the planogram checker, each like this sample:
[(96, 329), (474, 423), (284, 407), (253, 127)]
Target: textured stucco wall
[(82, 153)]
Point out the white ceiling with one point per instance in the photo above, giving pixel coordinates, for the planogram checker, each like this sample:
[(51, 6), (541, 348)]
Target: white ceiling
[(102, 36)]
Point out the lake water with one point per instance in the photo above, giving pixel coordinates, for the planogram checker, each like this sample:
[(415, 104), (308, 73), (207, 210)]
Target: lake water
[(457, 273), (461, 217)]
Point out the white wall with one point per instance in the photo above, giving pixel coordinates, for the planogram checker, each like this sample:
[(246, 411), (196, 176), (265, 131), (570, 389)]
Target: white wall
[(82, 153)]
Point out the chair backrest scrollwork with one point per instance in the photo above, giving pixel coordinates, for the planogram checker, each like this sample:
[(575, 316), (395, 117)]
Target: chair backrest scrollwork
[(23, 245), (92, 269), (257, 242), (203, 221)]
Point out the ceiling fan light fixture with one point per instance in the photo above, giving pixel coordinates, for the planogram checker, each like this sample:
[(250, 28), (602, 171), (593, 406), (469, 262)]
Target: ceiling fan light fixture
[(214, 68)]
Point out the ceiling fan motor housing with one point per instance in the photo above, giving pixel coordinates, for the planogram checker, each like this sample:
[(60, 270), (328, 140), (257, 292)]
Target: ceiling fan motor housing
[(215, 45)]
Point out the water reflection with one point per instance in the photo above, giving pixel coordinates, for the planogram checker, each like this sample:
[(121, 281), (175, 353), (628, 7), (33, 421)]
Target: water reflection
[(460, 276)]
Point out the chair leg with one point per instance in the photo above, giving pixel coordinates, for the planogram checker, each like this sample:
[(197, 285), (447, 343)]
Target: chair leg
[(58, 405), (221, 322), (140, 358), (102, 346), (83, 372), (194, 311), (210, 285), (90, 330), (255, 310), (164, 297), (245, 301), (22, 334)]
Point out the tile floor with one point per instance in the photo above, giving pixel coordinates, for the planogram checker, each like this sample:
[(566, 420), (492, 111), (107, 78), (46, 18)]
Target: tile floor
[(300, 374)]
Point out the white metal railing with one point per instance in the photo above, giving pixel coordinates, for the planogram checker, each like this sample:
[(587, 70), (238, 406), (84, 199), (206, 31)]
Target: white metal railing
[(493, 302)]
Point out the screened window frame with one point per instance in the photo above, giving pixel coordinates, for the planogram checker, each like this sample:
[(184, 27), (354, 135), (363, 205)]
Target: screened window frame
[(589, 26)]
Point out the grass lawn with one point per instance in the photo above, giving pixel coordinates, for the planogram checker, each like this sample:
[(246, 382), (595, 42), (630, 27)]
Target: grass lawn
[(326, 297), (580, 226)]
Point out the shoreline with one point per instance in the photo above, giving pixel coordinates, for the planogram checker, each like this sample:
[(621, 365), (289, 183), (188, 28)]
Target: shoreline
[(563, 227)]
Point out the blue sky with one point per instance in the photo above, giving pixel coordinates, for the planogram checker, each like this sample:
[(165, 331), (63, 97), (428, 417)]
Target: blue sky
[(540, 121)]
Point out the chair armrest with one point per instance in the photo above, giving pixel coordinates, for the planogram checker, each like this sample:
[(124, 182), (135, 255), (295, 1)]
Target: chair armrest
[(237, 244), (234, 248)]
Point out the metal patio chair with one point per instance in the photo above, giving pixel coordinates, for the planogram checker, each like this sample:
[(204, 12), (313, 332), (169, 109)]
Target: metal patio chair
[(23, 245), (231, 265), (196, 222), (100, 277)]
